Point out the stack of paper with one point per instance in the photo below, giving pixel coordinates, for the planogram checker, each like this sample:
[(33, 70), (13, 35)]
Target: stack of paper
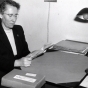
[(22, 79)]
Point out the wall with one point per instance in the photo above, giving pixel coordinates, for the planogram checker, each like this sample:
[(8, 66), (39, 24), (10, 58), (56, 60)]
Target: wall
[(34, 14), (33, 18), (62, 24)]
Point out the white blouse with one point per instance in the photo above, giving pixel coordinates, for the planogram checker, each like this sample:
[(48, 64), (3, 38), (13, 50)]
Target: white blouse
[(10, 36)]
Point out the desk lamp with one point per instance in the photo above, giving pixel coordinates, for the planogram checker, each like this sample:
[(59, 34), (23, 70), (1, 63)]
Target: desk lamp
[(82, 16)]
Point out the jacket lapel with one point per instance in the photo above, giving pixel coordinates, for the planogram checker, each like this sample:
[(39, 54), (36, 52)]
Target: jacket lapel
[(17, 40), (4, 39)]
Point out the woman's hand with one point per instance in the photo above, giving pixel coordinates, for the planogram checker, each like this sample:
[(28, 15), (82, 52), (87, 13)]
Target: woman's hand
[(23, 62)]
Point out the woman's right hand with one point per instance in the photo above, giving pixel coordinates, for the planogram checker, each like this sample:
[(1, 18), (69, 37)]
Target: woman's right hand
[(22, 62)]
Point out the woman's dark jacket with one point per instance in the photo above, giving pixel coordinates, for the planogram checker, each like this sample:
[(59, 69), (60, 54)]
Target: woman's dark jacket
[(7, 57)]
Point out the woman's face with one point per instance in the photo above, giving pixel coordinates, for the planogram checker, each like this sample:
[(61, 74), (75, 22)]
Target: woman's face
[(9, 16)]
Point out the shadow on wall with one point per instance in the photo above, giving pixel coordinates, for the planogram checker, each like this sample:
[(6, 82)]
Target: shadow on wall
[(82, 16)]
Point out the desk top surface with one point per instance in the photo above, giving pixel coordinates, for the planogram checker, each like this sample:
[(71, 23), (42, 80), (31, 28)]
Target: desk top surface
[(59, 67)]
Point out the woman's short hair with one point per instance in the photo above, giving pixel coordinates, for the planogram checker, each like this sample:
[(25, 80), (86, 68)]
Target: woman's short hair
[(8, 2)]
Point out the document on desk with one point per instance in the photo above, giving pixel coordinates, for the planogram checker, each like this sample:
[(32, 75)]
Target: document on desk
[(39, 52), (85, 82), (35, 53), (24, 78)]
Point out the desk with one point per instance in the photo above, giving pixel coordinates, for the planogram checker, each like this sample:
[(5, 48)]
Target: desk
[(59, 67)]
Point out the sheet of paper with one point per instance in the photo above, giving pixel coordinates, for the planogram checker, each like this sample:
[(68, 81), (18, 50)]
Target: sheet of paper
[(35, 53), (32, 80), (85, 82)]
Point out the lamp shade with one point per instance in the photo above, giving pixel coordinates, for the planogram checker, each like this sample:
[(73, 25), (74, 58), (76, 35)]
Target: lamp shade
[(50, 0), (83, 11), (82, 16)]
